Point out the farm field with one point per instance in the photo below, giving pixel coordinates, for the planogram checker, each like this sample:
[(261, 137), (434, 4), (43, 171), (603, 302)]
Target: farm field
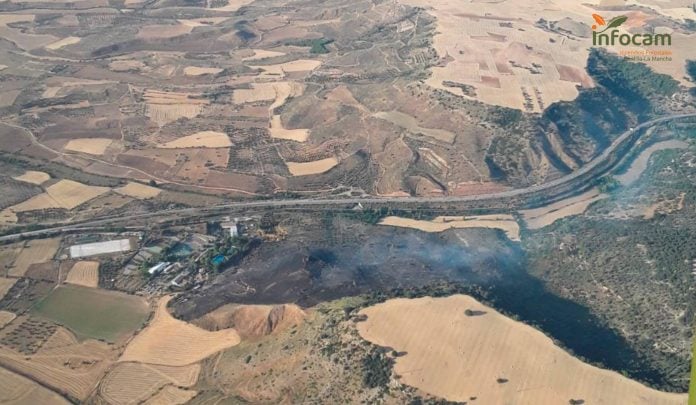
[(82, 310), (5, 285), (6, 317), (84, 273), (315, 167), (129, 383), (138, 190), (171, 395), (506, 223), (458, 356), (34, 177), (171, 342), (15, 389), (538, 218), (92, 146), (692, 385), (33, 252), (63, 364), (205, 139)]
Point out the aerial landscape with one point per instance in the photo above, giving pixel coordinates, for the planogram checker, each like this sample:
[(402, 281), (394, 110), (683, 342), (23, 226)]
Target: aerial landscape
[(366, 201)]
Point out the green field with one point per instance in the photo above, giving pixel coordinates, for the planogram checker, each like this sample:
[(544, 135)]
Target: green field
[(692, 384), (93, 313)]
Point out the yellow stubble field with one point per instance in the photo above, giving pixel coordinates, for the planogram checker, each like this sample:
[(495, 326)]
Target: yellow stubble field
[(172, 342), (456, 357), (84, 273), (504, 222)]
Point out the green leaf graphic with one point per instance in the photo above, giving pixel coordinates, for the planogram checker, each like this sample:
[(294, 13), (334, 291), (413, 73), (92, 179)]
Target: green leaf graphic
[(616, 21)]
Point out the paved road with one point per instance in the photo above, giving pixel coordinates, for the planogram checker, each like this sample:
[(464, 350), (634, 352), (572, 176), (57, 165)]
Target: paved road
[(596, 163)]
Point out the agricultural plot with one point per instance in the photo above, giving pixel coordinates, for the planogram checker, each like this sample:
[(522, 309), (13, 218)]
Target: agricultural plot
[(92, 146), (170, 395), (73, 369), (85, 274), (66, 194), (83, 310), (279, 71), (6, 317), (138, 190), (133, 383), (506, 223), (200, 71), (457, 348), (33, 252), (5, 285), (171, 342), (278, 131), (33, 177), (204, 139), (262, 54), (164, 107), (410, 124), (63, 42), (18, 390), (314, 167)]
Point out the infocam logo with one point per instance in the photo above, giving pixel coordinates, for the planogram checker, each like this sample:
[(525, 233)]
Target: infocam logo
[(610, 35)]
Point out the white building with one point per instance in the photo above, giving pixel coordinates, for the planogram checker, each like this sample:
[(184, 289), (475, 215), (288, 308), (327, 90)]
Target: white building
[(100, 248), (156, 269)]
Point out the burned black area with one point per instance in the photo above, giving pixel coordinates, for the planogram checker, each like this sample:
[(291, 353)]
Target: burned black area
[(387, 262)]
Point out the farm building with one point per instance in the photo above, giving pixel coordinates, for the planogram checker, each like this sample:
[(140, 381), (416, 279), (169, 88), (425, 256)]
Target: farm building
[(232, 226), (100, 248), (158, 268)]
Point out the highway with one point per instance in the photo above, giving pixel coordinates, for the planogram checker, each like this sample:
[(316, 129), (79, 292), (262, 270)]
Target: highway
[(594, 165)]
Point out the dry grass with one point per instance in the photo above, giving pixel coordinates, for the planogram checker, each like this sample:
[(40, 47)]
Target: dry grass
[(169, 341), (279, 132), (455, 356), (5, 285), (540, 217), (200, 71), (139, 191), (6, 317), (35, 251), (69, 194), (8, 98), (253, 321), (504, 61), (33, 177), (92, 146), (170, 395), (278, 71), (641, 162), (18, 390), (262, 54), (314, 167), (505, 223), (232, 5), (84, 273), (163, 31), (63, 42), (73, 369), (164, 107), (204, 139), (66, 194), (410, 124), (132, 383)]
